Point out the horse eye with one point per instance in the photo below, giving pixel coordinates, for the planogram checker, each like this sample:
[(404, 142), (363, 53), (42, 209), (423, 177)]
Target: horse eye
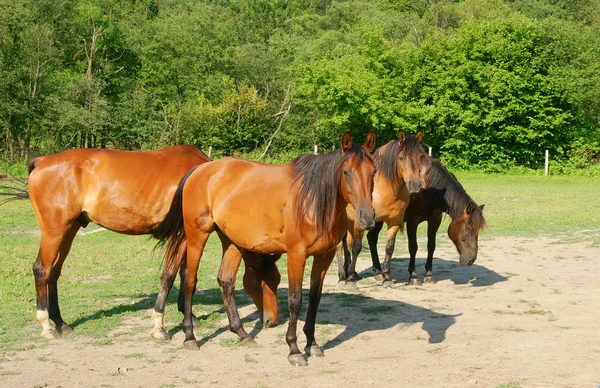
[(401, 158), (347, 173)]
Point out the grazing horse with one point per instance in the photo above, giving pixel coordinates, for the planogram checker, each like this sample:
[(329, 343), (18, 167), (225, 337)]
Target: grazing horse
[(123, 191), (444, 194), (298, 208), (402, 166)]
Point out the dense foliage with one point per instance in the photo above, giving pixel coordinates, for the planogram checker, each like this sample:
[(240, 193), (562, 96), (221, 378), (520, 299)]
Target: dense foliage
[(492, 83)]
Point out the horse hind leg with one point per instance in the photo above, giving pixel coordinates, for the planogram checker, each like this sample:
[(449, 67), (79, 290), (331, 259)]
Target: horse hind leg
[(46, 270), (232, 257), (167, 279), (53, 307)]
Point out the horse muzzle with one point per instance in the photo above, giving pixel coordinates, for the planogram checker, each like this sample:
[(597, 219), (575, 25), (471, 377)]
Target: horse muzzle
[(466, 261), (413, 186), (366, 220)]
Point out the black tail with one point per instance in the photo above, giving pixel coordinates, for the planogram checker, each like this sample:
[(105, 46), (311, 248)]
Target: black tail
[(171, 228), (17, 192)]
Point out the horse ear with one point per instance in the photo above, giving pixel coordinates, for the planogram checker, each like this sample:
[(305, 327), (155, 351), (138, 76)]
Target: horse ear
[(369, 144), (470, 208), (481, 207), (401, 137), (346, 142), (419, 137)]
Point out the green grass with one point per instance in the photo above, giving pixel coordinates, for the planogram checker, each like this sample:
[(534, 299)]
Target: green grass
[(110, 279), (530, 205)]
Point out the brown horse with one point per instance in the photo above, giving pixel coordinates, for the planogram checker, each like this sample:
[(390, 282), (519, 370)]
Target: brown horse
[(126, 192), (298, 208), (402, 167), (444, 194)]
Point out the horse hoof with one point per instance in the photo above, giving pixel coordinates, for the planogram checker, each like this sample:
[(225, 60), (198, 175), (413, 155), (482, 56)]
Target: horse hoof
[(387, 284), (429, 279), (350, 284), (297, 360), (160, 334), (64, 329), (414, 282), (314, 351), (50, 334), (248, 341), (379, 277), (191, 345), (195, 322), (341, 283)]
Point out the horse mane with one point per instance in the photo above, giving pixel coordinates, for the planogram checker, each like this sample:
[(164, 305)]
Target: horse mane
[(386, 157), (445, 190), (319, 177)]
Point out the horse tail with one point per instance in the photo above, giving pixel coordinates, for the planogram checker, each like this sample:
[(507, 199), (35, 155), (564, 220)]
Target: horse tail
[(171, 230), (33, 164), (20, 192)]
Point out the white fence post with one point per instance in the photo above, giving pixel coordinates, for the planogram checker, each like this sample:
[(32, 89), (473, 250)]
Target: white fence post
[(209, 151), (546, 163), (430, 151), (316, 149)]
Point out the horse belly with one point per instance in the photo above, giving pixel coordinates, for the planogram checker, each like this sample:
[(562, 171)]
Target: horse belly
[(125, 209)]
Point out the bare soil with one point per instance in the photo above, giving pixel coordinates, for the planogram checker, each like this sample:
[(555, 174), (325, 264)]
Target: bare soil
[(526, 314)]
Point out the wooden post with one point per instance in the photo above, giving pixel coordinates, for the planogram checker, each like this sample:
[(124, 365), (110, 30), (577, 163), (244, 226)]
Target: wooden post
[(316, 150), (546, 163), (430, 151), (209, 151)]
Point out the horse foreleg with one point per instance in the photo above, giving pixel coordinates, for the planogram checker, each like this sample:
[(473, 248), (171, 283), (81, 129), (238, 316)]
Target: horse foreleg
[(411, 234), (389, 251), (372, 237), (432, 228), (319, 269), (232, 257), (356, 245), (342, 261), (295, 265)]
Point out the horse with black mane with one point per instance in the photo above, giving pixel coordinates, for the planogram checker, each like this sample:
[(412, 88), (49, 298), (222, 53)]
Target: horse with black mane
[(444, 194), (402, 168), (298, 208)]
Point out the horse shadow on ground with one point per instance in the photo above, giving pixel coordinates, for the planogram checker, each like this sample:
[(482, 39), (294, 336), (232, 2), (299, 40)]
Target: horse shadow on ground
[(356, 313), (205, 298), (476, 275)]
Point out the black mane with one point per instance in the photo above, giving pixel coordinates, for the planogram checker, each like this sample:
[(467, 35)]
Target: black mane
[(386, 157), (319, 177), (444, 190)]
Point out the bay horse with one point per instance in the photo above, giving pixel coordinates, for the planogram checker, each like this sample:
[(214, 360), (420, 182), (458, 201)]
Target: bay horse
[(124, 191), (402, 167), (444, 194), (298, 208)]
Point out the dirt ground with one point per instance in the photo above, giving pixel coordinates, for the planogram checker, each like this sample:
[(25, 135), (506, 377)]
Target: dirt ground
[(526, 314)]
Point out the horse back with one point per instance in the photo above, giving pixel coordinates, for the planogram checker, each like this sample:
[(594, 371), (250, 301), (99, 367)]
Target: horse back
[(125, 191)]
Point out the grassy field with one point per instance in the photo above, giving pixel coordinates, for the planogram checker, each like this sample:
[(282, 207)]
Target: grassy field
[(109, 279)]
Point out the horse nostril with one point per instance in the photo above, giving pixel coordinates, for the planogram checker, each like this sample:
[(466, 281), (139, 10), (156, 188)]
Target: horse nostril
[(471, 262), (267, 323)]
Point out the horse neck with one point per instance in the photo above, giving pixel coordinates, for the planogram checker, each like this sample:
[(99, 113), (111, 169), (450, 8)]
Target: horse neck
[(445, 192)]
